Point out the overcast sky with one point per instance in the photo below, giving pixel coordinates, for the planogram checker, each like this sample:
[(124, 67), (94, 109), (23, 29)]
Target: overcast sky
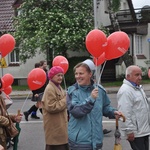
[(140, 3)]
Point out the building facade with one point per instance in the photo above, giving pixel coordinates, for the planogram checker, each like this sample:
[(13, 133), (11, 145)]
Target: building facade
[(135, 22)]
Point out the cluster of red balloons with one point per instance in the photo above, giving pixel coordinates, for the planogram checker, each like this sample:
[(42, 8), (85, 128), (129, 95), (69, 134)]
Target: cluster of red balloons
[(37, 76), (104, 48), (7, 44), (7, 81)]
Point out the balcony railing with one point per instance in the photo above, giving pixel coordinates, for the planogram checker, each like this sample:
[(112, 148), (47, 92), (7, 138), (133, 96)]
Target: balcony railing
[(142, 15)]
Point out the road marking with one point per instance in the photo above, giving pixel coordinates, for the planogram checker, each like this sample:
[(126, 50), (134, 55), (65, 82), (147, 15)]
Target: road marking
[(24, 122), (109, 121)]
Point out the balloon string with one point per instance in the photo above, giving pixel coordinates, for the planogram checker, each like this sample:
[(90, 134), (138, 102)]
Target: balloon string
[(96, 71), (65, 84), (25, 101), (99, 80)]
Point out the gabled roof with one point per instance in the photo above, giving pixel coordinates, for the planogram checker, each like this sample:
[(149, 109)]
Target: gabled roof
[(6, 15), (132, 10)]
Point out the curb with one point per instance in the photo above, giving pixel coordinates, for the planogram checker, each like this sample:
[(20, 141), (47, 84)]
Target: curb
[(28, 96), (20, 97)]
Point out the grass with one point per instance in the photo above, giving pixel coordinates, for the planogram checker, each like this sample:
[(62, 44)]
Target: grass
[(111, 83), (20, 87), (105, 84), (119, 83)]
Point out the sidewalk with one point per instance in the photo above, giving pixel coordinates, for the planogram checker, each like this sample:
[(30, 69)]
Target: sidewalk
[(110, 90), (27, 93), (21, 94)]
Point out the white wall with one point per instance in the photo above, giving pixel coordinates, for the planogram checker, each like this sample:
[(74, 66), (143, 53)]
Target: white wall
[(22, 70), (120, 70), (102, 17), (145, 49)]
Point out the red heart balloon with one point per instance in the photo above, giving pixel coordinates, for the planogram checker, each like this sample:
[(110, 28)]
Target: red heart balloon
[(118, 44), (7, 90), (96, 42), (100, 60), (7, 80)]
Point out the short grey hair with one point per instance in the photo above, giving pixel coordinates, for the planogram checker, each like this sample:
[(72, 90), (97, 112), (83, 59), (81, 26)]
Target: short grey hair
[(130, 69)]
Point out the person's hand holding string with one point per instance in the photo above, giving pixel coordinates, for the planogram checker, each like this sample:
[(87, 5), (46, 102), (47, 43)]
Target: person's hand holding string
[(94, 93)]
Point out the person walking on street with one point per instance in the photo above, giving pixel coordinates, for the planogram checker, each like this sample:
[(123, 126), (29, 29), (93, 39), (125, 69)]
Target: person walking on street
[(87, 102), (133, 103), (36, 97), (55, 112), (43, 65)]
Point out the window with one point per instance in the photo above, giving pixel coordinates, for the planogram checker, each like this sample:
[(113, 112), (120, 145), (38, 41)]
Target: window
[(138, 44), (14, 57)]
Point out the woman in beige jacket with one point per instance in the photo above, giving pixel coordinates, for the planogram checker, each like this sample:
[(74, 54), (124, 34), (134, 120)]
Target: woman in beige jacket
[(55, 112), (4, 121)]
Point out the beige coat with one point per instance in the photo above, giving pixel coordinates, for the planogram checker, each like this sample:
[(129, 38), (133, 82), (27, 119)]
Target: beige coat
[(4, 122), (55, 115)]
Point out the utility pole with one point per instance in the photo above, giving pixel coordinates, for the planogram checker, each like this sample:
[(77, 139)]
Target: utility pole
[(95, 13)]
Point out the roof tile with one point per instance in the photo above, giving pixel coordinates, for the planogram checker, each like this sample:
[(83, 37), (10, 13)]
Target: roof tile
[(6, 15)]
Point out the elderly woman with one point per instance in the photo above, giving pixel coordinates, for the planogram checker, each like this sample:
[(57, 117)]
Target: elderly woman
[(87, 103), (55, 111)]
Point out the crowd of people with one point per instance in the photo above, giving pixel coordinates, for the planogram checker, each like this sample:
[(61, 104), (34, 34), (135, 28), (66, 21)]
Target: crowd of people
[(86, 102), (82, 102)]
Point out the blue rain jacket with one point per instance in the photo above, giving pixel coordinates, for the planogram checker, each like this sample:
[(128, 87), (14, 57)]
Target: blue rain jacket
[(85, 125)]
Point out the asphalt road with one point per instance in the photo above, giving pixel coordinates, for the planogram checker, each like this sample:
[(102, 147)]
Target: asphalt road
[(32, 134)]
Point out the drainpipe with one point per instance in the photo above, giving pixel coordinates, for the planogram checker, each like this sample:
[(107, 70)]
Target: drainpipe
[(148, 40), (134, 50)]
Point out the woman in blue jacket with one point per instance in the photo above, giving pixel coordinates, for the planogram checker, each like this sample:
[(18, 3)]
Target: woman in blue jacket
[(87, 103)]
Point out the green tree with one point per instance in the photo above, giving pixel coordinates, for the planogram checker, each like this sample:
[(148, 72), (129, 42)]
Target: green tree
[(52, 26)]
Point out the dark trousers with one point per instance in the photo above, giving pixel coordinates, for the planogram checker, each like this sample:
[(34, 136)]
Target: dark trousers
[(57, 147), (141, 143)]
